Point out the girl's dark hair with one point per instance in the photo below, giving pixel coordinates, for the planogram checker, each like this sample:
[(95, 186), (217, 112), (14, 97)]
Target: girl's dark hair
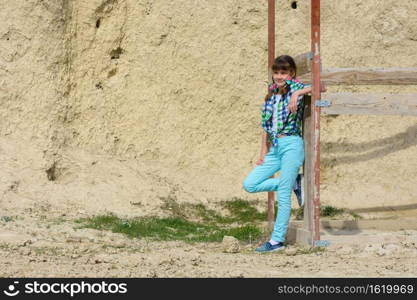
[(285, 63)]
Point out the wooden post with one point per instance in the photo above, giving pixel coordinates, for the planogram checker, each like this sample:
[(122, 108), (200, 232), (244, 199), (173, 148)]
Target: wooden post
[(304, 235), (271, 35), (316, 95), (310, 232), (271, 57)]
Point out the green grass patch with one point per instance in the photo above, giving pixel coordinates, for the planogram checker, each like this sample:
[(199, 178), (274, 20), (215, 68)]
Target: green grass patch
[(195, 222), (243, 211), (169, 228), (330, 211), (209, 215), (355, 215), (325, 211), (6, 219), (237, 211)]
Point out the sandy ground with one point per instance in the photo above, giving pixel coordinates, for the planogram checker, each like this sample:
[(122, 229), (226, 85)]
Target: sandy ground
[(31, 247)]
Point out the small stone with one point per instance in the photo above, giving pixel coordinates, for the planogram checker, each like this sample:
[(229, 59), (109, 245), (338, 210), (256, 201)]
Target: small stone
[(119, 244), (230, 244), (27, 252), (25, 243), (73, 240), (345, 251), (391, 247), (291, 251)]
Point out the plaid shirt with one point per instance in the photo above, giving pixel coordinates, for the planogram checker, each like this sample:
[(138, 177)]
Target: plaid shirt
[(287, 123)]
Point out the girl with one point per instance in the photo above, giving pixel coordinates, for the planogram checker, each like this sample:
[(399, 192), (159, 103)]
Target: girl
[(282, 148)]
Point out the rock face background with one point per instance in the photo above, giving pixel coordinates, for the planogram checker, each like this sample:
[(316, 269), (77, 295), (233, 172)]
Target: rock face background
[(112, 105)]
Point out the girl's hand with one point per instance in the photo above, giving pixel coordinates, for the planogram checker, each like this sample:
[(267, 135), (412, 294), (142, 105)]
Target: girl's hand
[(260, 160), (262, 156), (292, 106)]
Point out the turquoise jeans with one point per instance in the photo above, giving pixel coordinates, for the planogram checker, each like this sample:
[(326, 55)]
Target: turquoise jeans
[(287, 157)]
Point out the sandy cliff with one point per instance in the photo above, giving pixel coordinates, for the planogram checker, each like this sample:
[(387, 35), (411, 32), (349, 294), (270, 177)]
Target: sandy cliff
[(105, 103)]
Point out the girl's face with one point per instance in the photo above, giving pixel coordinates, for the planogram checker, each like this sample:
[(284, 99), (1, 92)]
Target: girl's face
[(279, 76)]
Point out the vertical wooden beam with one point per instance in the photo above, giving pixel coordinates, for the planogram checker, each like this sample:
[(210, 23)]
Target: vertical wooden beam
[(271, 35), (271, 57), (316, 95)]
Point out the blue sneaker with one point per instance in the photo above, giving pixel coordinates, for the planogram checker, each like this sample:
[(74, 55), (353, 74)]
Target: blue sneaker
[(298, 190), (268, 247)]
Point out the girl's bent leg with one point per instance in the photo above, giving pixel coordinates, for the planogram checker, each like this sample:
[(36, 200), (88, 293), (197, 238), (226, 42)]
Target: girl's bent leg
[(292, 158), (258, 180)]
